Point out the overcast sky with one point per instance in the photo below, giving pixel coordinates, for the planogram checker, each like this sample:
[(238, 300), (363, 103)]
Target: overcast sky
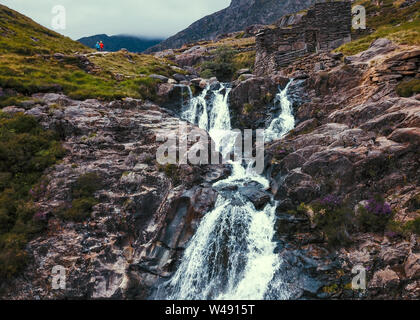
[(151, 18)]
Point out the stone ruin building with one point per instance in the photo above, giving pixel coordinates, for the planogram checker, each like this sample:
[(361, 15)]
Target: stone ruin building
[(325, 26)]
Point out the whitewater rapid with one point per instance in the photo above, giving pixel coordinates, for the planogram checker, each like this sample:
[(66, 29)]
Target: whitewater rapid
[(232, 254)]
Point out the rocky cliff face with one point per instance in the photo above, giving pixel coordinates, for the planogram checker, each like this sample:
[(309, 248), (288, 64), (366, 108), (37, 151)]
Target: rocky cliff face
[(146, 212), (239, 15), (355, 138)]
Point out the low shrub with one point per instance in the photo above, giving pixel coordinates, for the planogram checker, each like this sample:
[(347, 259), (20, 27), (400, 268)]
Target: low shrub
[(26, 150), (172, 172), (414, 225), (221, 66), (80, 209), (408, 88), (334, 220), (86, 185), (374, 215)]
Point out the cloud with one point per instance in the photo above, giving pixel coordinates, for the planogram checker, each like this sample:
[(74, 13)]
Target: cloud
[(150, 18)]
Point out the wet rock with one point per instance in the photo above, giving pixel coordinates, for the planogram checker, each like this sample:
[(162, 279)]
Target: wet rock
[(173, 96), (311, 285), (257, 93), (199, 82), (258, 197), (179, 77)]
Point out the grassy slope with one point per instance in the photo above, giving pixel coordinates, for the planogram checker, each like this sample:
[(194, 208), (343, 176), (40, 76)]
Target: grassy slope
[(242, 55), (21, 35), (388, 20), (27, 65)]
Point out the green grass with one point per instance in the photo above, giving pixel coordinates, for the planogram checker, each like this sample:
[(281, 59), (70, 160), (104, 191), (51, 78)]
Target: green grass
[(244, 60), (27, 65), (408, 88), (226, 62), (388, 21), (23, 36), (26, 150), (229, 55), (221, 66), (28, 75), (132, 65)]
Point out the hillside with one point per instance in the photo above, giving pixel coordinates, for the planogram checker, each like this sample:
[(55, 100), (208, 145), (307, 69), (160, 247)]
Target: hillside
[(35, 59), (118, 42), (239, 15), (21, 35), (398, 21)]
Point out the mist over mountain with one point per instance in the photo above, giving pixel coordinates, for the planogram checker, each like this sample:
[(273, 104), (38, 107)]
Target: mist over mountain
[(118, 42)]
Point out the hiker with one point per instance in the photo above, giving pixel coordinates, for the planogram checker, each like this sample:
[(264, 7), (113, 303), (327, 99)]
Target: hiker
[(97, 46), (101, 45)]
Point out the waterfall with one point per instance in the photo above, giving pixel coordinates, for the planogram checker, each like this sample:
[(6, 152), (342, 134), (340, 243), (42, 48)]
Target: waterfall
[(232, 254), (285, 122), (213, 117)]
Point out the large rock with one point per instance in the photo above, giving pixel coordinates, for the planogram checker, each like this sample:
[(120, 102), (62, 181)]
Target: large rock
[(250, 100), (412, 266), (379, 46), (386, 278), (255, 194), (173, 96), (192, 56)]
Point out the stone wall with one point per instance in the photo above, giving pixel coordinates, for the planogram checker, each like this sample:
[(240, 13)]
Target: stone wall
[(325, 26)]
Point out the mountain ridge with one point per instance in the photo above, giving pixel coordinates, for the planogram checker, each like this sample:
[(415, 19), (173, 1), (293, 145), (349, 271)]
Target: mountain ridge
[(239, 15)]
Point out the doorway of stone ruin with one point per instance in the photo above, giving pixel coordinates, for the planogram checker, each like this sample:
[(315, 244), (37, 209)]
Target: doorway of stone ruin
[(311, 39)]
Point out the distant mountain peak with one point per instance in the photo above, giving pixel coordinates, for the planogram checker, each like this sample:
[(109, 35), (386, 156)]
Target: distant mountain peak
[(117, 42)]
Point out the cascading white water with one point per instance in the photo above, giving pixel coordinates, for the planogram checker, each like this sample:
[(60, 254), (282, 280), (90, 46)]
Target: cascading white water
[(231, 255), (214, 118), (285, 122)]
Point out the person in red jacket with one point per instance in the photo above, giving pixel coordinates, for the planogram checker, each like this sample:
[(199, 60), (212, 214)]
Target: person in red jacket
[(101, 45)]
